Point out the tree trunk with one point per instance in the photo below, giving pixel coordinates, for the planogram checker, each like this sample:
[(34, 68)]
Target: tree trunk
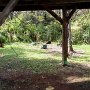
[(70, 38)]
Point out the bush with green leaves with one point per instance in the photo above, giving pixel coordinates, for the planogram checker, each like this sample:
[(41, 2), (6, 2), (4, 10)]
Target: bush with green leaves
[(2, 39), (40, 26)]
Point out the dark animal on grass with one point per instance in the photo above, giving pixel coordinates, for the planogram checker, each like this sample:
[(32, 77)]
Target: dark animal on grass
[(49, 42)]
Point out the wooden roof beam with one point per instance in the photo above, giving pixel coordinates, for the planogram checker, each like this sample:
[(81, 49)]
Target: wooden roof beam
[(9, 7)]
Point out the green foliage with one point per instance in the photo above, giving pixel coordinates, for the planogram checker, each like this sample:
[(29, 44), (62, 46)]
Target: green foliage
[(40, 26), (86, 33), (2, 39), (81, 29), (53, 31)]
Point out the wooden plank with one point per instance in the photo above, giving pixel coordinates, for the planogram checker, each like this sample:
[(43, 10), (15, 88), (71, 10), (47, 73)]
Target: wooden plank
[(50, 1), (9, 7), (24, 5)]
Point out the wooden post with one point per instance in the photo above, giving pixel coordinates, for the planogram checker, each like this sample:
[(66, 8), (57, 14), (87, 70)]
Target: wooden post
[(65, 33), (54, 14), (65, 37), (9, 7)]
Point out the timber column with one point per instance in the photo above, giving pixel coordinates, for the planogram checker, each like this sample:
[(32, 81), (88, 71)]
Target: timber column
[(64, 20), (65, 37)]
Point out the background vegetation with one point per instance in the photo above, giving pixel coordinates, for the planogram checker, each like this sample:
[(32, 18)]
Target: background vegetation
[(36, 26)]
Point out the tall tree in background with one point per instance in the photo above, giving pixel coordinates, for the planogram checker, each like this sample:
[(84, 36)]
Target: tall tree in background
[(70, 47)]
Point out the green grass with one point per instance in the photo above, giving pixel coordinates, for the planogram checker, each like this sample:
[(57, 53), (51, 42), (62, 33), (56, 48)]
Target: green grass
[(34, 58), (84, 56), (27, 57)]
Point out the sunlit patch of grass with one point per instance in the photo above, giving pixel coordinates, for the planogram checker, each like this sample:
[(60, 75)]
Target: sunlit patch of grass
[(85, 48), (83, 54), (25, 56)]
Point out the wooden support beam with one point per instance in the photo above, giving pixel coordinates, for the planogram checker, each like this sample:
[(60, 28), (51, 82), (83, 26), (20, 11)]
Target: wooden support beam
[(71, 14), (7, 10), (54, 14), (65, 37), (65, 33)]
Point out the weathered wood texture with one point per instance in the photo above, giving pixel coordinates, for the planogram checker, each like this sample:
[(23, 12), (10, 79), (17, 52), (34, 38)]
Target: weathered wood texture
[(3, 15), (52, 4)]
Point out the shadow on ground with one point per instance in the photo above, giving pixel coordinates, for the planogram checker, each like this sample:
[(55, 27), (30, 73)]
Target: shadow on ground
[(19, 75)]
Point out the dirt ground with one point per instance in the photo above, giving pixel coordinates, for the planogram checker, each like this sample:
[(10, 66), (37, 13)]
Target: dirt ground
[(75, 77), (42, 82)]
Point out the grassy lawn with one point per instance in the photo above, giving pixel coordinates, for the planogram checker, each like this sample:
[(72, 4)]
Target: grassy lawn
[(83, 54), (25, 57), (20, 56)]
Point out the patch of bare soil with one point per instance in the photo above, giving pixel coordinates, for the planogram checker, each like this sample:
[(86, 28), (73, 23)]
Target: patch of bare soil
[(52, 48), (76, 77)]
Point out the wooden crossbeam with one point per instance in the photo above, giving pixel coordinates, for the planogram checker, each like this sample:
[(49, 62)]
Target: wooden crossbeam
[(9, 7), (71, 13), (54, 14)]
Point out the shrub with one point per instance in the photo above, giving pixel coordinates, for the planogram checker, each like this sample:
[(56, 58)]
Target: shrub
[(2, 40)]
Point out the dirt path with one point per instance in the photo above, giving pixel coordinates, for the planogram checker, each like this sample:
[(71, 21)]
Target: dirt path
[(42, 82), (52, 48)]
